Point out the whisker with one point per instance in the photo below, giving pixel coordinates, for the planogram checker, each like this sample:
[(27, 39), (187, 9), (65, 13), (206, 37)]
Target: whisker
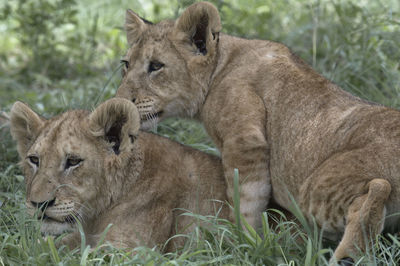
[(81, 214), (78, 217), (153, 122), (151, 118), (88, 208), (69, 219)]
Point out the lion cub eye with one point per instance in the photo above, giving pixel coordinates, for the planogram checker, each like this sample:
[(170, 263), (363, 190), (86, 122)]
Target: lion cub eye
[(34, 160), (73, 161), (155, 66)]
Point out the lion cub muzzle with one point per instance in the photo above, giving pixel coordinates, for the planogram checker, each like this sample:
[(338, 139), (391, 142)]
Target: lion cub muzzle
[(150, 114), (42, 206), (61, 212)]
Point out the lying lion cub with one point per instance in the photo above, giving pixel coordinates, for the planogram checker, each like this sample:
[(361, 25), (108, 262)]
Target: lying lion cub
[(272, 117), (99, 168)]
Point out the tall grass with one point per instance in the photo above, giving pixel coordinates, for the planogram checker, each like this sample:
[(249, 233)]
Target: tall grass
[(353, 43), (216, 242)]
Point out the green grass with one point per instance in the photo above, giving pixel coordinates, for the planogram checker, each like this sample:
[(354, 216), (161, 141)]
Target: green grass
[(353, 43), (218, 242)]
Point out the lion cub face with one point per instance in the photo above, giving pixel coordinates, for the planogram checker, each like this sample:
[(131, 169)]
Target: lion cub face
[(66, 160), (168, 64)]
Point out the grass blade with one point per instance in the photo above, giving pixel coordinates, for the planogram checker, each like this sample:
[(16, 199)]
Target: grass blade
[(53, 250)]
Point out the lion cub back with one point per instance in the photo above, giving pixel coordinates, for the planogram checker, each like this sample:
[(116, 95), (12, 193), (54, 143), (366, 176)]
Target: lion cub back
[(194, 174)]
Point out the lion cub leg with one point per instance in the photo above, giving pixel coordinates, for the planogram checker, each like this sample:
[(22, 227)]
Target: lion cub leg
[(248, 153), (365, 218)]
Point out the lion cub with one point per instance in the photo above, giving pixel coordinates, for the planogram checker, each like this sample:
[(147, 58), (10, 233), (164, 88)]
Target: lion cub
[(275, 119), (100, 169)]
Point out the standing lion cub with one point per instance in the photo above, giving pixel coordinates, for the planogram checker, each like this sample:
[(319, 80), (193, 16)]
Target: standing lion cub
[(100, 169), (274, 118)]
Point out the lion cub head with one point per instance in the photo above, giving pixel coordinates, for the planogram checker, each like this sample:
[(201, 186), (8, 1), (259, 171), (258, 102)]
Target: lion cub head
[(169, 64), (71, 162)]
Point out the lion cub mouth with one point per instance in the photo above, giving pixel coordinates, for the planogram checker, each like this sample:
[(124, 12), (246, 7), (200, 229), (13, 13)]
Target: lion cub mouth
[(69, 219), (51, 226), (151, 116)]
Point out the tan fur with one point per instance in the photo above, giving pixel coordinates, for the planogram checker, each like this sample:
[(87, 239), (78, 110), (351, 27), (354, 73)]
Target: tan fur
[(276, 120), (141, 187)]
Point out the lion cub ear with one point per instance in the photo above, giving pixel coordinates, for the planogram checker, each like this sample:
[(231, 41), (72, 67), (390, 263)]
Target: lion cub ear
[(25, 126), (201, 24), (117, 121), (134, 26)]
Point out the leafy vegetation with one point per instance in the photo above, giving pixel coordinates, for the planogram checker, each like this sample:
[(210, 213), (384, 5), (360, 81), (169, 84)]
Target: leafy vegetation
[(61, 54)]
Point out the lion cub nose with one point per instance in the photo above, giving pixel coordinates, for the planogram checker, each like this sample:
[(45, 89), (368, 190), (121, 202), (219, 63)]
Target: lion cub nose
[(44, 204)]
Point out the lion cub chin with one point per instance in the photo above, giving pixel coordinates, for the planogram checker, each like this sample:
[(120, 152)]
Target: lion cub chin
[(98, 168)]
